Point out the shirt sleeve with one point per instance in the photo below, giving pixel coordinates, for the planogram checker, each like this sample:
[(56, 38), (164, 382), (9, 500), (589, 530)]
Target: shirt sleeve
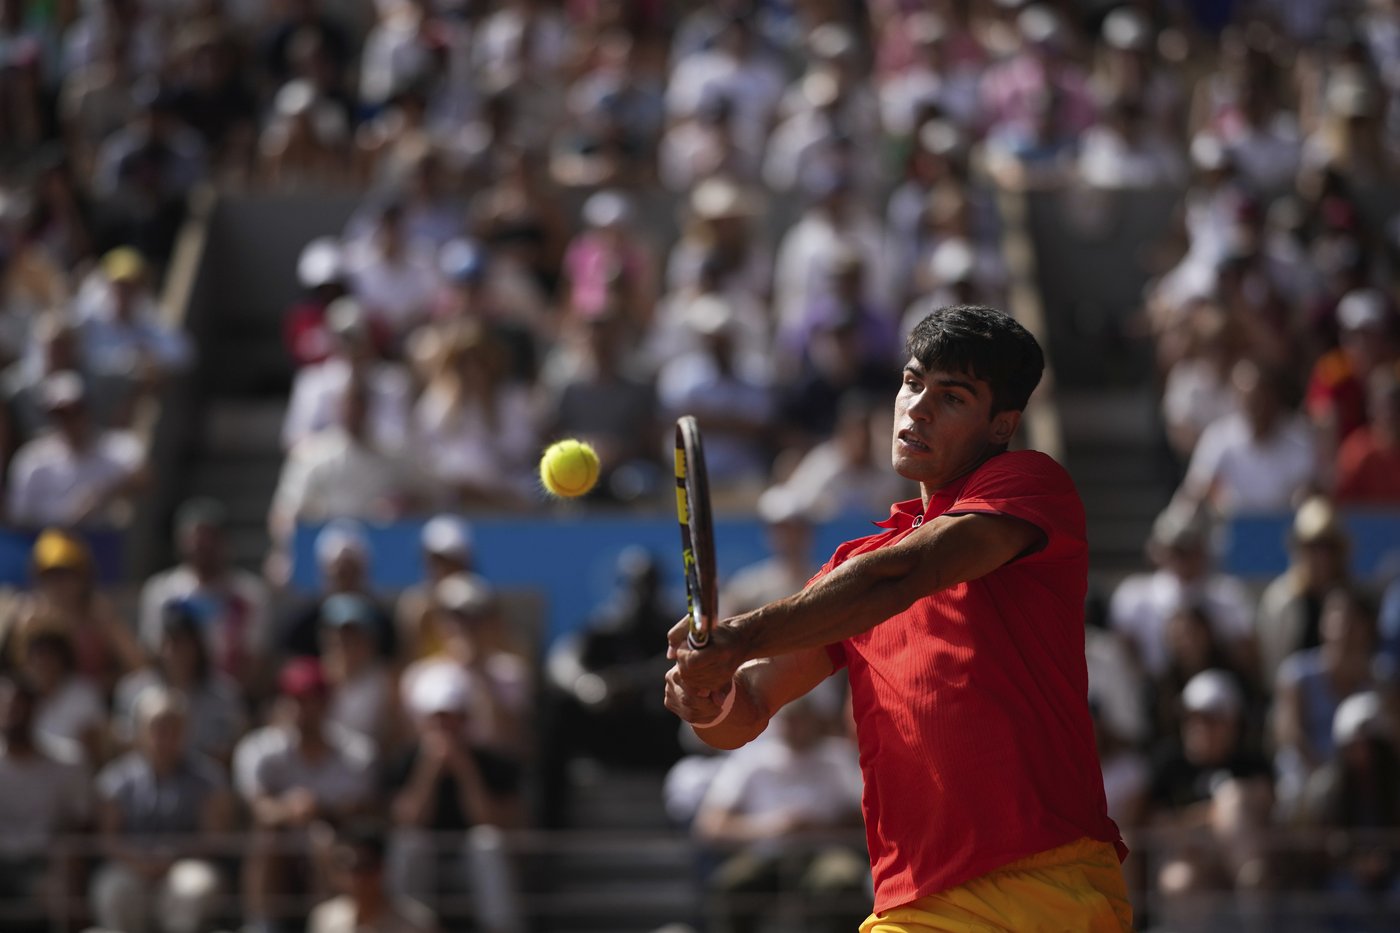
[(1033, 488)]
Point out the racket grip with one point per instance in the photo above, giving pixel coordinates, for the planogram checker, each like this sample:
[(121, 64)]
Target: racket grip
[(696, 643)]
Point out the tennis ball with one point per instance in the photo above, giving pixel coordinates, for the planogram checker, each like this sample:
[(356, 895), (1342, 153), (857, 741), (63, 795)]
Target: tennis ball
[(569, 468)]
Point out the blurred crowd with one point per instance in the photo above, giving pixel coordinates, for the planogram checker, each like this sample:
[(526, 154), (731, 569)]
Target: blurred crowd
[(583, 218)]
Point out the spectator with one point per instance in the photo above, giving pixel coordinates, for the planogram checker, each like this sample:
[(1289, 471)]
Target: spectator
[(1257, 460), (44, 794), (343, 557), (392, 277), (1211, 782), (1313, 682), (1368, 464), (304, 143), (364, 903), (1357, 791), (153, 803), (469, 617), (705, 146), (447, 784), (293, 779), (719, 249), (446, 543), (597, 399), (475, 426), (760, 802), (1197, 392), (65, 596), (318, 389), (1337, 391), (215, 716), (477, 292), (305, 330), (1143, 604), (68, 710), (341, 472), (789, 533), (1124, 152), (600, 704), (674, 334), (1290, 610), (734, 67), (76, 474), (846, 476), (230, 604), (54, 346), (609, 266), (362, 699), (1193, 647), (833, 368), (737, 410)]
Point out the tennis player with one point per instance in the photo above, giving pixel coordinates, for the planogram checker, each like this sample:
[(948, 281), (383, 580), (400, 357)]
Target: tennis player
[(961, 625)]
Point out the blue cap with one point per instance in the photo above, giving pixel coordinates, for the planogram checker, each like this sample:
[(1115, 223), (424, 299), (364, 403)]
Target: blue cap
[(462, 261)]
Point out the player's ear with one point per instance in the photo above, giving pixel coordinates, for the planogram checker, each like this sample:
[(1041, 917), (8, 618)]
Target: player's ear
[(1004, 425)]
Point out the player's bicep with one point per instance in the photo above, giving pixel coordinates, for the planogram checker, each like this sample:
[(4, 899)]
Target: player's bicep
[(772, 683), (955, 549)]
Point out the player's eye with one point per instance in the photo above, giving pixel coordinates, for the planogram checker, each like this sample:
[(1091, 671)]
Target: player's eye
[(953, 399)]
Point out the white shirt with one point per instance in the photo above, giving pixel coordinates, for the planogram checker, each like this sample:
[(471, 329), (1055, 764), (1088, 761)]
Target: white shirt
[(333, 475), (49, 484), (821, 784), (269, 762), (73, 709), (1244, 474), (804, 257), (397, 289), (363, 705), (318, 390), (1109, 160), (459, 444), (1144, 603), (1196, 395), (40, 797), (338, 916), (753, 87)]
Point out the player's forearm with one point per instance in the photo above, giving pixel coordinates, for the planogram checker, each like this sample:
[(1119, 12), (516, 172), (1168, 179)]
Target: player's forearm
[(744, 722)]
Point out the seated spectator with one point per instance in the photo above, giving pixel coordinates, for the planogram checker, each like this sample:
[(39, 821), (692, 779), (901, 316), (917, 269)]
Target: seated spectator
[(54, 346), (481, 290), (1211, 781), (834, 366), (595, 397), (608, 265), (842, 302), (76, 474), (1126, 152), (762, 801), (788, 530), (446, 543), (68, 709), (1357, 791), (44, 794), (125, 341), (468, 616), (64, 595), (847, 475), (1143, 604), (737, 411), (362, 699), (292, 779), (1312, 683), (1127, 772), (720, 249), (340, 472), (364, 903), (1337, 391), (1290, 610), (599, 702), (474, 426), (392, 278), (152, 803), (343, 558), (675, 333), (318, 389), (703, 146), (215, 716), (1192, 647), (230, 604), (1197, 391), (1256, 460), (446, 783), (321, 274), (303, 144), (1368, 463)]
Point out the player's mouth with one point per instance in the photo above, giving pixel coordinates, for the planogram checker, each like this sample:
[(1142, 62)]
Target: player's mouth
[(910, 441)]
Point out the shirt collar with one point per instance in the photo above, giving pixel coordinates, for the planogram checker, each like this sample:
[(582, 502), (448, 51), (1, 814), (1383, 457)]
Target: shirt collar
[(904, 515)]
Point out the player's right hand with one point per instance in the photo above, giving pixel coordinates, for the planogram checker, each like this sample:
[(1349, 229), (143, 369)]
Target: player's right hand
[(709, 669)]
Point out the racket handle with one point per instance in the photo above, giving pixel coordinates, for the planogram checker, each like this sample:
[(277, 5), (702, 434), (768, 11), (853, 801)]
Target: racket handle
[(696, 643)]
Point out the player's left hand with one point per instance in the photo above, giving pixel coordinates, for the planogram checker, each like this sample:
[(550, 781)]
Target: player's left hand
[(709, 669)]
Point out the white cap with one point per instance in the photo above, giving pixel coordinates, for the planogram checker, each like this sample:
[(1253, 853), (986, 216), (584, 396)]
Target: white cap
[(1359, 716), (778, 504), (442, 688), (320, 263), (447, 535), (1126, 29), (339, 538), (1362, 309), (709, 315), (606, 209), (1207, 152), (61, 390), (1039, 24), (295, 98), (465, 594), (952, 261), (719, 197), (1212, 691)]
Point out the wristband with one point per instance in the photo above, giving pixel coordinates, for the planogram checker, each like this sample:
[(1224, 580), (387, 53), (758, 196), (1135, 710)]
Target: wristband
[(725, 706)]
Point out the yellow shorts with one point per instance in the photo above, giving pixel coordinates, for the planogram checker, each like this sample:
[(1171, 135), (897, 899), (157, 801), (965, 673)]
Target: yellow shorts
[(1075, 888)]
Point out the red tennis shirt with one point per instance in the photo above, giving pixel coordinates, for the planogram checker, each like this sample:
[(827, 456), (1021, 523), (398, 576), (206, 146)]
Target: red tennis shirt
[(971, 706)]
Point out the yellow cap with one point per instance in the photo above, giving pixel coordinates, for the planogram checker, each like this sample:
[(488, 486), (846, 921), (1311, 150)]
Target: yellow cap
[(57, 550), (123, 264)]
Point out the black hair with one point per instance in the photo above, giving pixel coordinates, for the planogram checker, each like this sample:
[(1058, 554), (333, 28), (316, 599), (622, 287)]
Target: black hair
[(984, 343)]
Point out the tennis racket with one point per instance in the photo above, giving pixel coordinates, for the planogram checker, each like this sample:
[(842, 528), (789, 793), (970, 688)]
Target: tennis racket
[(697, 531)]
